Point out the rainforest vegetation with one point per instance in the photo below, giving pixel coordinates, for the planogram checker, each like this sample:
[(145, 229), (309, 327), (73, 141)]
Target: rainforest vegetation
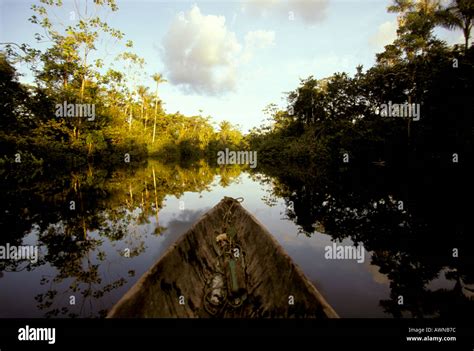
[(397, 185)]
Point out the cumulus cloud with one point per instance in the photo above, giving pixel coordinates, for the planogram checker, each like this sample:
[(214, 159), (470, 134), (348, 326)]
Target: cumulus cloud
[(201, 55), (386, 34), (308, 11)]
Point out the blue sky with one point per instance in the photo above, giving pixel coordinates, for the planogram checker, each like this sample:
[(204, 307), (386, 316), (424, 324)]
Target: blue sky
[(230, 59)]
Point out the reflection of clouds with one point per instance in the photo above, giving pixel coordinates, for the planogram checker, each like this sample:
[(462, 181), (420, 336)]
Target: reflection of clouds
[(318, 241), (288, 238), (353, 289), (441, 282), (178, 225), (378, 277), (256, 212)]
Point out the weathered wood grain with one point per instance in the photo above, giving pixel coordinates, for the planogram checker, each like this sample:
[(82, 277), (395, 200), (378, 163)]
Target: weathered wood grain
[(188, 264)]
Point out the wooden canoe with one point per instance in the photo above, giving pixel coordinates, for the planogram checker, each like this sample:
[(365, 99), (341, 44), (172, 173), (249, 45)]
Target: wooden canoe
[(194, 279)]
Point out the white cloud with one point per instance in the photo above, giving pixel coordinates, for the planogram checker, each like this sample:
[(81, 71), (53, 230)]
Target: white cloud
[(254, 40), (386, 34), (309, 11), (201, 55)]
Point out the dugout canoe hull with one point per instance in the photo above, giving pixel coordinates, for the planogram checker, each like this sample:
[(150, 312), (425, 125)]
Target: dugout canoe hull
[(175, 285)]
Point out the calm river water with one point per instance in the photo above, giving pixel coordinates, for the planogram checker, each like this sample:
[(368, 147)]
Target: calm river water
[(83, 224)]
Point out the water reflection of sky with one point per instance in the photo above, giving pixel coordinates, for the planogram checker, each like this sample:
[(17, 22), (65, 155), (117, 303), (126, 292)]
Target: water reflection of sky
[(353, 289)]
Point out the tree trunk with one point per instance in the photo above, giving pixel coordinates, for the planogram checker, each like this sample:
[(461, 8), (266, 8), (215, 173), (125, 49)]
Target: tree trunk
[(130, 119), (154, 124), (156, 195), (409, 121), (466, 37)]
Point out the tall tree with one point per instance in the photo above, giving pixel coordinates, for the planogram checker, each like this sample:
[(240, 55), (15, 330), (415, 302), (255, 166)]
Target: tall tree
[(416, 21), (158, 78), (458, 14), (142, 93), (73, 44)]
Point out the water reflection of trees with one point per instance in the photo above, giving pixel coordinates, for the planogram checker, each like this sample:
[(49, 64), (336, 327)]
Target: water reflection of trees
[(111, 208), (410, 219)]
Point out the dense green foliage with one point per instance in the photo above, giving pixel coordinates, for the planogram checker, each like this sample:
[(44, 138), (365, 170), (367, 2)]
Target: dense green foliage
[(338, 114), (327, 118), (398, 186), (129, 120), (401, 194)]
